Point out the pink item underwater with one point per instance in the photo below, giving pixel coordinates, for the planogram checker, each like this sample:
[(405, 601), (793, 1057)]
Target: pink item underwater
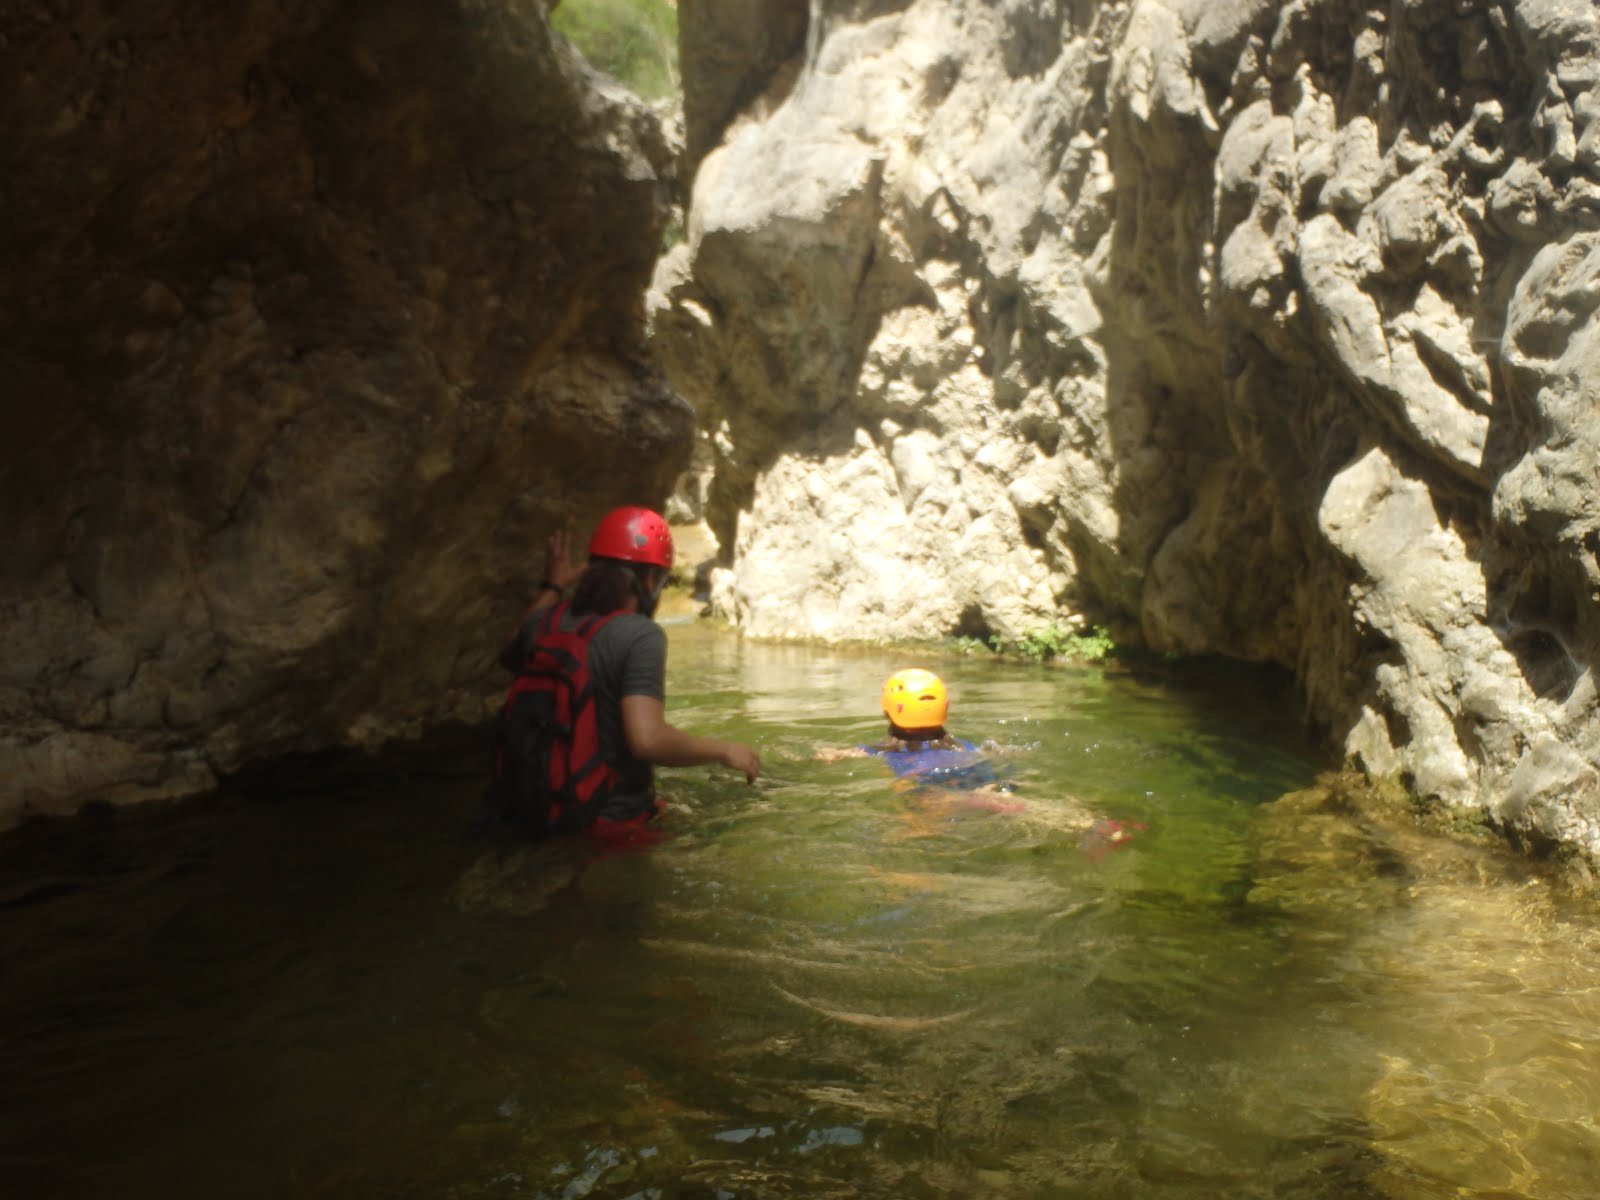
[(1108, 835)]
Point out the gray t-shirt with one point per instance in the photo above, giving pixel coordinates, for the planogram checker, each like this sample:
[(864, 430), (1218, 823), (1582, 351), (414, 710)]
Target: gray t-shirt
[(628, 657)]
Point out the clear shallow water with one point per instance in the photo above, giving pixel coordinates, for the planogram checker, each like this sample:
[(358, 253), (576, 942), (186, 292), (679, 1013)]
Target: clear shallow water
[(322, 985)]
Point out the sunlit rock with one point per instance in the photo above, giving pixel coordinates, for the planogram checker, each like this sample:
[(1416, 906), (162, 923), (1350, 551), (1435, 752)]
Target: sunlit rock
[(1245, 328)]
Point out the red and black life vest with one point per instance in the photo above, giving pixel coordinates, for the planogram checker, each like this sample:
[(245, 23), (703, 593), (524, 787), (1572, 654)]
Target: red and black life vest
[(550, 775)]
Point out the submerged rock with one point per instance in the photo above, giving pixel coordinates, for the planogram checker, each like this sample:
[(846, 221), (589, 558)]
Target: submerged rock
[(518, 881), (1479, 1085)]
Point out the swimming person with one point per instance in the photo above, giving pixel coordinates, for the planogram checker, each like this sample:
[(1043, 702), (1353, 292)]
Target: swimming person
[(949, 773), (918, 748)]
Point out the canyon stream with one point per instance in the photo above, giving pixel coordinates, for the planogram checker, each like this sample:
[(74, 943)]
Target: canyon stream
[(1143, 972)]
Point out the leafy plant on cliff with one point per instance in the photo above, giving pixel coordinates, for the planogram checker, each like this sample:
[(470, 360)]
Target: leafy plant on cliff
[(1062, 641), (1044, 643), (635, 41)]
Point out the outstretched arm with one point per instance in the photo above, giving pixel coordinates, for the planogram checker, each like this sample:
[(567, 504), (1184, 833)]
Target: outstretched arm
[(644, 723)]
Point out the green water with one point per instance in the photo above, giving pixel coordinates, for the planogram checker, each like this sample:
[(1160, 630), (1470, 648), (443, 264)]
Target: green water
[(322, 985)]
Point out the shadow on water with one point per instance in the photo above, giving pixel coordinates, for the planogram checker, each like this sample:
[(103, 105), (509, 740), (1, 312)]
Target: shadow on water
[(320, 983)]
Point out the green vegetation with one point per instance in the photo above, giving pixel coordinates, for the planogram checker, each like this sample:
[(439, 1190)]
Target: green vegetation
[(1059, 641), (1044, 643), (635, 41), (673, 232)]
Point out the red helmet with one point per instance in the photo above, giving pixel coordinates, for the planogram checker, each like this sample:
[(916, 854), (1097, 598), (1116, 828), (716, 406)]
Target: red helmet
[(633, 534)]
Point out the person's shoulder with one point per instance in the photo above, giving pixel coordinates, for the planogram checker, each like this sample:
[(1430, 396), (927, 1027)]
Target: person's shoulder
[(629, 628), (636, 623)]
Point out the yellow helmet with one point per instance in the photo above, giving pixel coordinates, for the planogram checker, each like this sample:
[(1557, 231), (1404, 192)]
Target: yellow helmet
[(915, 699)]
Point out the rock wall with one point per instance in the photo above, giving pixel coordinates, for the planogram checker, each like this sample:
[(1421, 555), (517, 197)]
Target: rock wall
[(1249, 328), (320, 315)]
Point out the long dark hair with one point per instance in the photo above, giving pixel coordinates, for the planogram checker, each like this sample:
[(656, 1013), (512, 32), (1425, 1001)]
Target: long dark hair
[(606, 584), (920, 739)]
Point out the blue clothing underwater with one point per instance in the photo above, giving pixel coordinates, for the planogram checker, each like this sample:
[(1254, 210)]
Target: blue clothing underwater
[(964, 769)]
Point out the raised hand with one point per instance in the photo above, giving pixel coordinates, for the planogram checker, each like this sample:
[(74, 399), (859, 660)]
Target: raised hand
[(559, 568)]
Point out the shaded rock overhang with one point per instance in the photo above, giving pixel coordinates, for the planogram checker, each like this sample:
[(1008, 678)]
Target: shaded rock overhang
[(318, 318)]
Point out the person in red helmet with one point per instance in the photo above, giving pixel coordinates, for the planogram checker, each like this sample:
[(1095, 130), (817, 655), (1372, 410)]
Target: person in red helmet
[(584, 720)]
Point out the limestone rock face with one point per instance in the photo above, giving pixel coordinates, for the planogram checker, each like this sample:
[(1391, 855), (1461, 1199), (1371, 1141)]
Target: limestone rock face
[(729, 55), (1250, 328), (319, 317)]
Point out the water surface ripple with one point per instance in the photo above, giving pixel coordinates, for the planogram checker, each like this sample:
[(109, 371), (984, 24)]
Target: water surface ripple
[(322, 985)]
